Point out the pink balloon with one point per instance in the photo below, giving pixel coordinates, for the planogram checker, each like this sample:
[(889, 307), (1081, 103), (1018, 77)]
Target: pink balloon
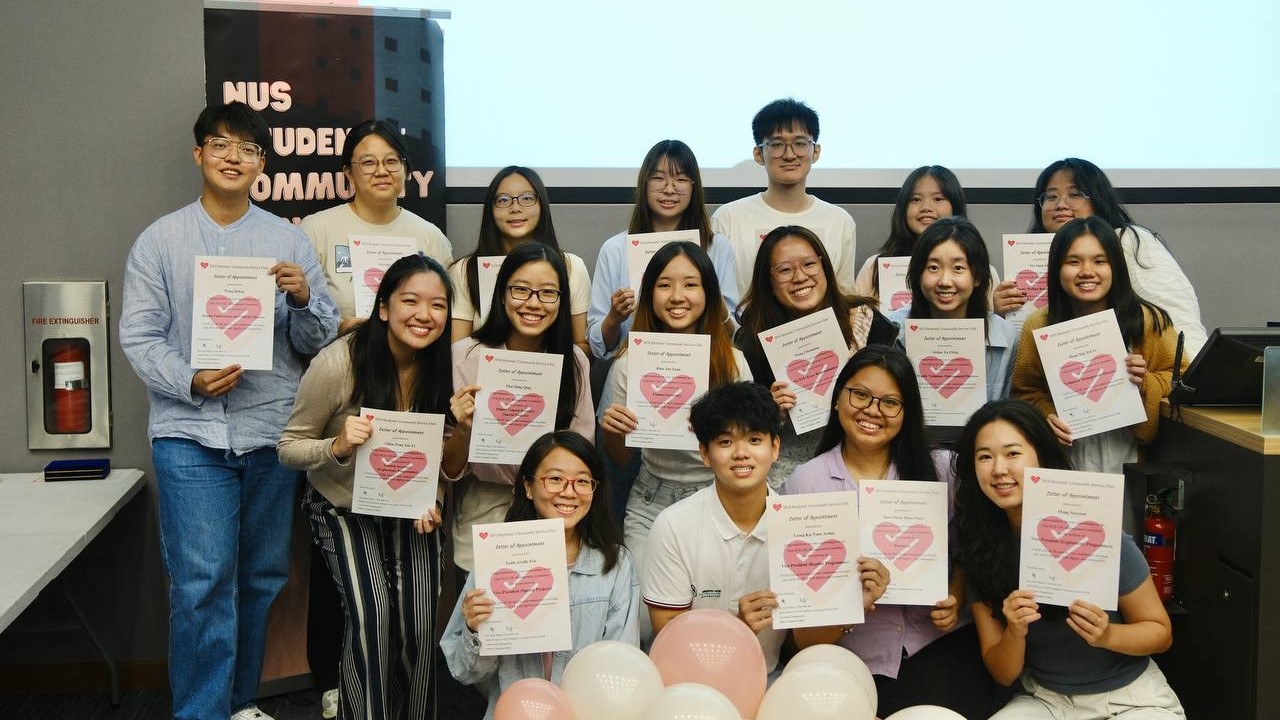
[(533, 699), (713, 648)]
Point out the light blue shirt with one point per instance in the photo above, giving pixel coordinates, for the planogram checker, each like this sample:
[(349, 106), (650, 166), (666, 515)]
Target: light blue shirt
[(1002, 346), (155, 327), (611, 274), (602, 606)]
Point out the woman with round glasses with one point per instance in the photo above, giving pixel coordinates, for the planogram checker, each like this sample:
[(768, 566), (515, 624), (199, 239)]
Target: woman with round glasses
[(527, 314), (918, 655), (1073, 188), (668, 197), (792, 278), (516, 210), (375, 163), (560, 478)]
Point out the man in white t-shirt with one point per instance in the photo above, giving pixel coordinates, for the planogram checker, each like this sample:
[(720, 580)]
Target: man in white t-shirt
[(786, 144)]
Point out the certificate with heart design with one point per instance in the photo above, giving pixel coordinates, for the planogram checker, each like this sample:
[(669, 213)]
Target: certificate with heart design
[(1083, 361), (813, 559), (949, 357), (487, 267), (666, 372), (892, 277), (370, 258), (397, 469), (1071, 534), (808, 353), (1026, 263), (517, 402), (233, 312), (904, 526), (523, 568), (642, 246)]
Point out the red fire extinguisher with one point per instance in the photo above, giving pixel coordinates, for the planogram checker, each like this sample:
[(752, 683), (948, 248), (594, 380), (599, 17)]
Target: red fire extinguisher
[(1159, 540), (70, 392)]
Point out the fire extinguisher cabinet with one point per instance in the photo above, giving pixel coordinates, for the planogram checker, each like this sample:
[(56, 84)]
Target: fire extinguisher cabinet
[(67, 365)]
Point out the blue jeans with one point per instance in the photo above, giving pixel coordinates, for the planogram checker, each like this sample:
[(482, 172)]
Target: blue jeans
[(225, 524)]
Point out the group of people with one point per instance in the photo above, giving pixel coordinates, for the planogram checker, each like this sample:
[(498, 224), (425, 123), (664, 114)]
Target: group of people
[(649, 533)]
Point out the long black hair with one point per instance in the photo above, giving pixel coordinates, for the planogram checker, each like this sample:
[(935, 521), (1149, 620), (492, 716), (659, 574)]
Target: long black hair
[(490, 242), (908, 451), (597, 529), (557, 339), (963, 233), (376, 381), (683, 161), (1122, 298), (987, 544)]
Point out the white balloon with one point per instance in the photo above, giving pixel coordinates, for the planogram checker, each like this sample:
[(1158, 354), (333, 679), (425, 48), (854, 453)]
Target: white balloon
[(691, 701), (610, 680), (818, 692), (842, 658), (925, 712)]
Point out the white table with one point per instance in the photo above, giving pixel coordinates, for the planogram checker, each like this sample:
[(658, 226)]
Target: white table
[(44, 526)]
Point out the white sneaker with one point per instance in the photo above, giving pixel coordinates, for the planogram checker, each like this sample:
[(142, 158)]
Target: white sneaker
[(251, 713), (329, 704)]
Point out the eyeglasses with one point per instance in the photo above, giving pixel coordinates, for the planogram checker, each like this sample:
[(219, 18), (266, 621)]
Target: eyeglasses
[(802, 147), (504, 200), (786, 271), (369, 165), (1073, 199), (546, 296), (860, 399), (680, 185), (557, 484), (221, 147)]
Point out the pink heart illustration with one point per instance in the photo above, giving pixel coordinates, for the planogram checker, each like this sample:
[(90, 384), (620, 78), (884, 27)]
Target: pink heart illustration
[(484, 535), (886, 266), (1011, 242), (777, 506), (814, 565), (1069, 545), (1035, 478), (946, 376), (368, 416), (486, 264), (768, 338), (1091, 380), (488, 358), (522, 593), (356, 243), (902, 546), (204, 266), (373, 278), (902, 298), (233, 317), (1034, 286), (1044, 336), (870, 488), (637, 340), (915, 328), (635, 243), (514, 414), (817, 374), (397, 470), (667, 395)]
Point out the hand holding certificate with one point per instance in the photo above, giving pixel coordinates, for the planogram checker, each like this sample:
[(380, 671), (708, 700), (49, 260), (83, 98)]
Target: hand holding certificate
[(949, 357), (523, 567), (813, 559), (1084, 366), (665, 373), (370, 258), (1071, 528), (517, 403), (233, 312), (397, 468), (904, 526), (807, 353), (1026, 263)]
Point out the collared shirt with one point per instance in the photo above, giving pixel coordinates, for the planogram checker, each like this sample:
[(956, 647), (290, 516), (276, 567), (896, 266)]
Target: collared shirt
[(1001, 347), (891, 629), (612, 274), (155, 327), (602, 606), (697, 557)]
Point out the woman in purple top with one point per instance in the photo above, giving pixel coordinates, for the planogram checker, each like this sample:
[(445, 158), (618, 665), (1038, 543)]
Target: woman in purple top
[(876, 430)]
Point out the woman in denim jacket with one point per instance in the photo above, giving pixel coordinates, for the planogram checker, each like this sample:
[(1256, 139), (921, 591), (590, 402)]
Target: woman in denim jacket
[(559, 478)]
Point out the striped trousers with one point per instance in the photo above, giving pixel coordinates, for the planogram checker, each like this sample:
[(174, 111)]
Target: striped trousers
[(388, 577)]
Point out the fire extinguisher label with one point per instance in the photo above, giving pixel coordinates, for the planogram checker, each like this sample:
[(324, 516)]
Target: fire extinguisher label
[(1152, 540), (68, 375)]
